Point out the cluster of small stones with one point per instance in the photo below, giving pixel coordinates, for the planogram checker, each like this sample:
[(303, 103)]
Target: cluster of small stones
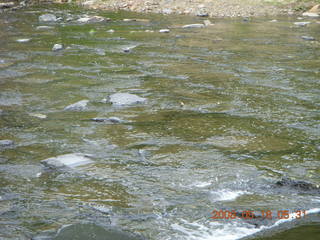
[(205, 8)]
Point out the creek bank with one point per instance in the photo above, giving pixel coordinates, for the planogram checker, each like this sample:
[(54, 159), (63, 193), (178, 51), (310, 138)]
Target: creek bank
[(205, 8)]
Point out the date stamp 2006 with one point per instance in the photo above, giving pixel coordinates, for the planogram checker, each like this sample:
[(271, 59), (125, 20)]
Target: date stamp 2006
[(264, 214)]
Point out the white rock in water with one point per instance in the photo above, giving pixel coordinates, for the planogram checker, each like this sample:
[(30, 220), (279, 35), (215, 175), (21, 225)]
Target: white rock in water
[(308, 38), (48, 18), (301, 23), (44, 27), (23, 40), (197, 25), (310, 14), (78, 106), (110, 31), (164, 30), (67, 160), (57, 47), (115, 120), (38, 115), (128, 49), (129, 20), (125, 99), (92, 19)]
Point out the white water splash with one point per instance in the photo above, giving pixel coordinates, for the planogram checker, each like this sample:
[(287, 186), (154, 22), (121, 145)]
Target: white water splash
[(224, 231), (226, 195)]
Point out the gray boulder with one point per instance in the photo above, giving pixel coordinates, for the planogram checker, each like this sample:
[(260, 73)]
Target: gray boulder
[(125, 99)]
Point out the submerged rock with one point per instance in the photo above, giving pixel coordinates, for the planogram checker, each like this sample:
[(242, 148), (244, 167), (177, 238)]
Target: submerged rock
[(44, 27), (38, 115), (196, 25), (301, 23), (6, 143), (125, 99), (78, 106), (296, 184), (207, 23), (111, 120), (67, 160), (308, 38), (129, 20), (21, 171), (48, 18), (93, 232), (92, 19), (57, 47)]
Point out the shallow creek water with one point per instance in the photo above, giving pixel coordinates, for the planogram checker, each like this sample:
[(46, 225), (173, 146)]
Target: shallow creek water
[(231, 109)]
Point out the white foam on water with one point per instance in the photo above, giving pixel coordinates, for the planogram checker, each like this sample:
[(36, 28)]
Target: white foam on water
[(294, 215), (202, 184), (224, 231), (226, 195), (215, 231)]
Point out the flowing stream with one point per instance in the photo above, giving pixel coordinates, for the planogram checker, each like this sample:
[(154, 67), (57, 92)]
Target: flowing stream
[(230, 110)]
